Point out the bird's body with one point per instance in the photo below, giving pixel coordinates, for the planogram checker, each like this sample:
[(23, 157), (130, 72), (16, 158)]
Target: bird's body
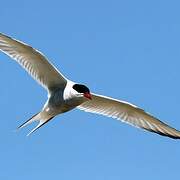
[(65, 95), (59, 101)]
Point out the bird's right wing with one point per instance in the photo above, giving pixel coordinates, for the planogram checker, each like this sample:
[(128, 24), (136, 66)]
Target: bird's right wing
[(35, 63), (128, 113)]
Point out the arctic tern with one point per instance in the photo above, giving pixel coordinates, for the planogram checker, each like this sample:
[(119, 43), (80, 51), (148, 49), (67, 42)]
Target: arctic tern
[(65, 95)]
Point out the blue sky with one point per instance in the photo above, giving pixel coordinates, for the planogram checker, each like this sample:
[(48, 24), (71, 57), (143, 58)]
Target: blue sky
[(128, 50)]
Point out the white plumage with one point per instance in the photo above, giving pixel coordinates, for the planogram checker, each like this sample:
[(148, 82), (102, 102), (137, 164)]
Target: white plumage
[(65, 95)]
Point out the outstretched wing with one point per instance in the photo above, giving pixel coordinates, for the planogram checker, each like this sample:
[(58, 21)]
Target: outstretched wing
[(128, 113), (35, 63)]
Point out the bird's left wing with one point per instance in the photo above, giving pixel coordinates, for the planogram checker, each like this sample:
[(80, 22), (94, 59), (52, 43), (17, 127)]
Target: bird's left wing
[(128, 113), (34, 62)]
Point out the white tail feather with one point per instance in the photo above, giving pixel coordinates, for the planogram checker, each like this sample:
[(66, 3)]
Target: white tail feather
[(29, 121), (37, 127), (37, 117)]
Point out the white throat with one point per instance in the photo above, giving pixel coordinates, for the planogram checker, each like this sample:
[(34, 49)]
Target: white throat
[(69, 92)]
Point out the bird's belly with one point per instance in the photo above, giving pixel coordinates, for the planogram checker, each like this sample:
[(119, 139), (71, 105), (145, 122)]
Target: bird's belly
[(67, 105)]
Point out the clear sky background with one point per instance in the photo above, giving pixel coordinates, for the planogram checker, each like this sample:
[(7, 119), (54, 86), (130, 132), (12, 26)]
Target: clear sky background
[(128, 50)]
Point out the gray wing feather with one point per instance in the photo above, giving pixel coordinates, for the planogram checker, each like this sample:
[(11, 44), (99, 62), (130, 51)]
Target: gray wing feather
[(34, 62), (128, 113)]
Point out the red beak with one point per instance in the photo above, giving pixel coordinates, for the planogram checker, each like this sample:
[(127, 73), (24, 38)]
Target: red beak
[(88, 95)]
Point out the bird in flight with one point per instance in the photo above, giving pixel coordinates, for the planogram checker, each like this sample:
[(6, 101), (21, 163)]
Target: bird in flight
[(65, 95)]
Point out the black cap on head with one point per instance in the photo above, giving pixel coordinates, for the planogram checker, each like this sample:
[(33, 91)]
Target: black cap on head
[(81, 88)]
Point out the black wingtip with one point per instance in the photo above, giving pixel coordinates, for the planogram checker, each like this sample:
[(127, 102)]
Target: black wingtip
[(163, 134)]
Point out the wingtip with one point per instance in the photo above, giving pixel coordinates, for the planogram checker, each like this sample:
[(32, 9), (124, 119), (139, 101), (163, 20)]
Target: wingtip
[(175, 137)]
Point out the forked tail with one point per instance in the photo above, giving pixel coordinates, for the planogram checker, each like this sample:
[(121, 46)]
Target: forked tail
[(41, 117)]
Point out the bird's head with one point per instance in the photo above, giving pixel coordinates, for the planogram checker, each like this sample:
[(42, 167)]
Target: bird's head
[(82, 90)]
